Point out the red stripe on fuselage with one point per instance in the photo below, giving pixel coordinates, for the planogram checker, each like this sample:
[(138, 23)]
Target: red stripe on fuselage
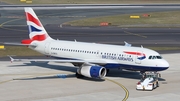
[(134, 53), (29, 17)]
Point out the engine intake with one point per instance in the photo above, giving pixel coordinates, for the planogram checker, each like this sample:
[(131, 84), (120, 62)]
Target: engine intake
[(92, 71)]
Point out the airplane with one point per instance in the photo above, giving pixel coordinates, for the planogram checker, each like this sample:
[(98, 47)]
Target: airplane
[(93, 59)]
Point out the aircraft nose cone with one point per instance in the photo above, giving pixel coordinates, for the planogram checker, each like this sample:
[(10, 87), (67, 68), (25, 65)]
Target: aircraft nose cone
[(165, 64)]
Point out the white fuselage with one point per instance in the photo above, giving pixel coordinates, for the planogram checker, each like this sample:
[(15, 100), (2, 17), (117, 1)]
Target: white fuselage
[(115, 56)]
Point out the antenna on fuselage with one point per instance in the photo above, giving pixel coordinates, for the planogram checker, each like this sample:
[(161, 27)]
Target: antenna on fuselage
[(127, 44)]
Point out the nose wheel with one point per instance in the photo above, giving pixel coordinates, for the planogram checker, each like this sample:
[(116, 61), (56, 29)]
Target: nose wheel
[(152, 73)]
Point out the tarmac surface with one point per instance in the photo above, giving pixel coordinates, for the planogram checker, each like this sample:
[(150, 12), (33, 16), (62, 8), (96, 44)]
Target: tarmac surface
[(167, 37), (54, 81), (58, 16), (46, 82), (13, 27)]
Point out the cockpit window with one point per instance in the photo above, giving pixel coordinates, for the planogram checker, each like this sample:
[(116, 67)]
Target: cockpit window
[(158, 57), (155, 57)]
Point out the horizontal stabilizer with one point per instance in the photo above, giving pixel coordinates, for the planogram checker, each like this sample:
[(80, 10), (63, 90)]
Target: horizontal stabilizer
[(18, 44)]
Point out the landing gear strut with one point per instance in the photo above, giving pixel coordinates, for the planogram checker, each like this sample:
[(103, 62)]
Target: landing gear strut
[(156, 74), (107, 71), (79, 75)]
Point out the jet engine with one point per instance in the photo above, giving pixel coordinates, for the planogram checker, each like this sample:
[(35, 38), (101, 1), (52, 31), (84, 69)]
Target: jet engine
[(92, 71)]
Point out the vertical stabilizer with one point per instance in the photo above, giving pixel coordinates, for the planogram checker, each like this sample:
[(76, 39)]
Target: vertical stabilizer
[(36, 29)]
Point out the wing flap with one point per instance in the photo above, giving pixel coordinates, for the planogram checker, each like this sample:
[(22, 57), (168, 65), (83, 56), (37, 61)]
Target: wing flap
[(99, 62), (46, 60)]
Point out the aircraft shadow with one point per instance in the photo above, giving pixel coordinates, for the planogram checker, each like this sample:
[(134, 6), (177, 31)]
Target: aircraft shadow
[(124, 74), (127, 74), (56, 76), (112, 73), (59, 76), (56, 67), (46, 65), (161, 79)]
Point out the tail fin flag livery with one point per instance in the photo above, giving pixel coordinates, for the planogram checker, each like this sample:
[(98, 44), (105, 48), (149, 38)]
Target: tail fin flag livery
[(36, 30)]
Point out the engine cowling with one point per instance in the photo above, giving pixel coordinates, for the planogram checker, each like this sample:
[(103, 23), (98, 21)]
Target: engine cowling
[(92, 71)]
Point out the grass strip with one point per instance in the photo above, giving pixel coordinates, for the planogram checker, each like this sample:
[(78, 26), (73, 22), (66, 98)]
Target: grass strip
[(156, 19), (18, 51), (164, 48)]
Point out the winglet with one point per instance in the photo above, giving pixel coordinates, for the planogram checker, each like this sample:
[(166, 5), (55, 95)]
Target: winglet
[(12, 59)]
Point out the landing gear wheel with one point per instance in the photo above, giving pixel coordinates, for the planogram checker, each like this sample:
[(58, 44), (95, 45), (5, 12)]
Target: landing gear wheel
[(79, 75), (153, 87), (157, 84)]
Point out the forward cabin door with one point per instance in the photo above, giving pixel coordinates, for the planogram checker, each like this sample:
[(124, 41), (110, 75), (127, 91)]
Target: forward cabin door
[(98, 53), (139, 55), (46, 49)]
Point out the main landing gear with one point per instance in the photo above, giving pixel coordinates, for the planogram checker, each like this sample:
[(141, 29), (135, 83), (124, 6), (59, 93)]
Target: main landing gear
[(79, 75)]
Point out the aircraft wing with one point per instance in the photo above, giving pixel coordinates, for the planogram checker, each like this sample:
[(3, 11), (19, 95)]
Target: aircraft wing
[(99, 62), (18, 44)]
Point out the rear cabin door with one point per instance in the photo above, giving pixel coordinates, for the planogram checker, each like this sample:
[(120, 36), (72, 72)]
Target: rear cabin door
[(46, 49)]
